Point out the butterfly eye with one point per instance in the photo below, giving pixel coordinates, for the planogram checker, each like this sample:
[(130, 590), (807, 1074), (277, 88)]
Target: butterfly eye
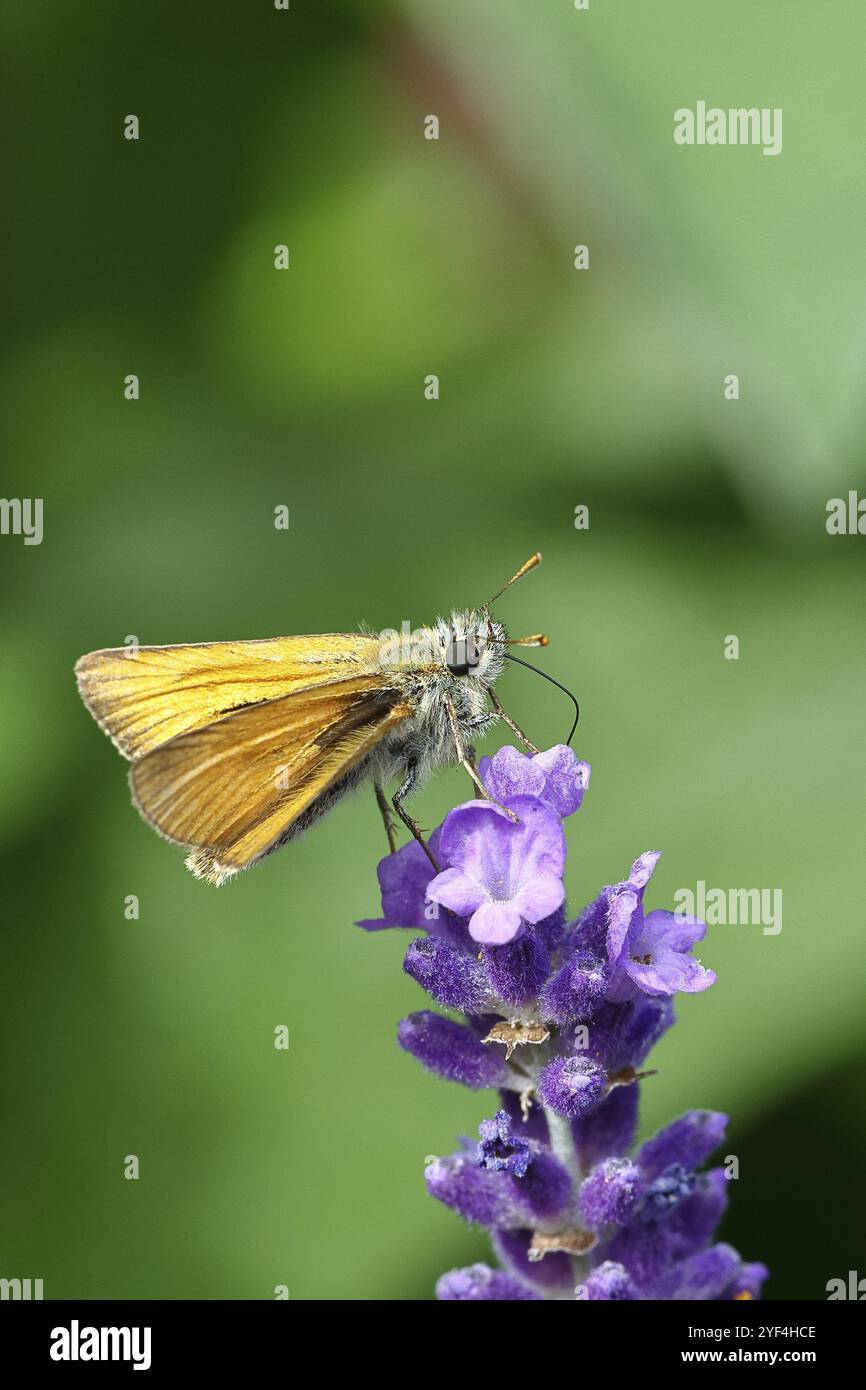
[(461, 655)]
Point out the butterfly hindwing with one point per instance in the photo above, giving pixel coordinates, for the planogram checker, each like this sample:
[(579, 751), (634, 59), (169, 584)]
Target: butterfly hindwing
[(232, 790)]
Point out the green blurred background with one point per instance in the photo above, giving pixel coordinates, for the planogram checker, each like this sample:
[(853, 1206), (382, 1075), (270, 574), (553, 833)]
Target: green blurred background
[(305, 388)]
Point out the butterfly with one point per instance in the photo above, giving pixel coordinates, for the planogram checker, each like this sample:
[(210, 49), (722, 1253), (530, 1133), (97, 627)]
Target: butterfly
[(238, 747)]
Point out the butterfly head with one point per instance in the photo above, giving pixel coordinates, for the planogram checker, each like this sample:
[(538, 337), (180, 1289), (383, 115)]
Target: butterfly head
[(471, 646)]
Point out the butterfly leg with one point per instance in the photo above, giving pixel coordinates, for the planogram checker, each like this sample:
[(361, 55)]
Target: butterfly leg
[(480, 723), (385, 809), (513, 726), (411, 825), (466, 761)]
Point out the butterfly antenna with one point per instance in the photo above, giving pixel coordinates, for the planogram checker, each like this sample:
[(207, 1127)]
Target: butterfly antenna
[(535, 639), (532, 563), (520, 662)]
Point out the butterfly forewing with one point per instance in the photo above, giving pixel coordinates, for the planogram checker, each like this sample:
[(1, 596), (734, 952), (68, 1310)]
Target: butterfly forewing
[(144, 698)]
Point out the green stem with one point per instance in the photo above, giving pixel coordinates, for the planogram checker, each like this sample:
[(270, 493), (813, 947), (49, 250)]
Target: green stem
[(562, 1143)]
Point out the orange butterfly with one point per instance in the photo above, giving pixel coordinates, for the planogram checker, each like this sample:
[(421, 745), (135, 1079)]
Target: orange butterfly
[(237, 747)]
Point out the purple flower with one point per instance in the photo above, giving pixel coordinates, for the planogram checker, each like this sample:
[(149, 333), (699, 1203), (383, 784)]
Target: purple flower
[(453, 978), (669, 1189), (555, 776), (687, 1142), (481, 1283), (576, 990), (608, 1283), (516, 972), (403, 880), (609, 1129), (558, 1016), (451, 1050), (610, 1193), (650, 951), (501, 874), (549, 1277), (499, 1148), (572, 1086), (704, 1275), (622, 1035), (747, 1282), (505, 1182), (477, 1194), (666, 1243)]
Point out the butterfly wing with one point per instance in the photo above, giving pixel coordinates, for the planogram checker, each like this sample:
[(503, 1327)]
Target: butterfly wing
[(232, 791), (144, 698)]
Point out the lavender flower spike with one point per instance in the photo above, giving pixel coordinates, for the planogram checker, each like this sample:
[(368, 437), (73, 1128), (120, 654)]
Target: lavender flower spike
[(558, 1016)]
